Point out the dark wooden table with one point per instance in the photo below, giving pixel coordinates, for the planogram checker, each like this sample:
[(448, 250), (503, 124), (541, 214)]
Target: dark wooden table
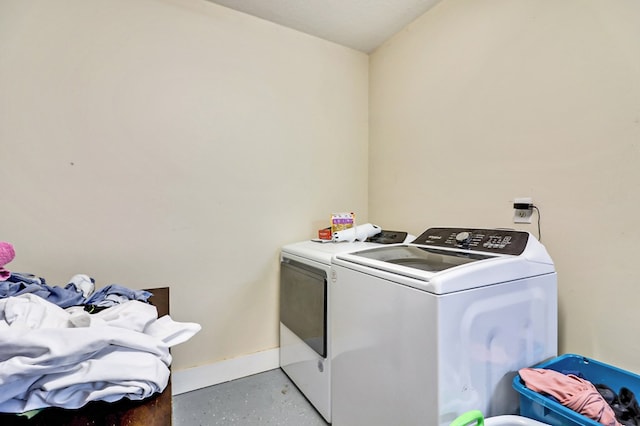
[(153, 411)]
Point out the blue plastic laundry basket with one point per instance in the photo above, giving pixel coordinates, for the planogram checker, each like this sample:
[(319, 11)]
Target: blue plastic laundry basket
[(540, 407)]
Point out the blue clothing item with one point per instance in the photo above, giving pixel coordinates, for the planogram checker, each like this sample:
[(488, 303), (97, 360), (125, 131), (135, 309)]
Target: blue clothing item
[(114, 294), (70, 295), (21, 277), (18, 284)]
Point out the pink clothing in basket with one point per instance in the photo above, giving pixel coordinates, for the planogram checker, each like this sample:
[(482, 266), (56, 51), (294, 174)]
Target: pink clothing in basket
[(571, 391)]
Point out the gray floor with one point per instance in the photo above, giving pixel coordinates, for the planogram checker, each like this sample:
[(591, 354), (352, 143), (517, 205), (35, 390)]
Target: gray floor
[(268, 398)]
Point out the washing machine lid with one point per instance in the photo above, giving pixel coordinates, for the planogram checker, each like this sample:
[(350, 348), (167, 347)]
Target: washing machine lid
[(323, 252), (422, 258), (453, 259)]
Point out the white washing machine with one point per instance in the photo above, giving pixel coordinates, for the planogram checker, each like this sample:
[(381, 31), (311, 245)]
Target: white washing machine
[(305, 341), (426, 331)]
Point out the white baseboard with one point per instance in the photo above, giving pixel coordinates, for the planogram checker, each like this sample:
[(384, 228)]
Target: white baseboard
[(190, 379)]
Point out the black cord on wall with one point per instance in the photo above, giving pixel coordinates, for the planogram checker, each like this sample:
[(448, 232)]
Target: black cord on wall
[(538, 211)]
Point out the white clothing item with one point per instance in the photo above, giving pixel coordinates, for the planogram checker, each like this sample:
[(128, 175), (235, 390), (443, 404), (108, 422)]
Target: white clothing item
[(84, 283), (28, 312), (65, 358), (171, 332)]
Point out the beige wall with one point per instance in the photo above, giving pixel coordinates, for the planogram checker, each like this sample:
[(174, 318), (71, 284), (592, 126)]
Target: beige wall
[(478, 102), (158, 142), (175, 142)]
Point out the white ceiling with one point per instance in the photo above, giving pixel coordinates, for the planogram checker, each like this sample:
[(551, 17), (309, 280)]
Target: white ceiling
[(360, 24)]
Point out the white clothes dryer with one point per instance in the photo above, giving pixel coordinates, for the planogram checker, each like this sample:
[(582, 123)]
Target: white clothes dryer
[(305, 337), (426, 331)]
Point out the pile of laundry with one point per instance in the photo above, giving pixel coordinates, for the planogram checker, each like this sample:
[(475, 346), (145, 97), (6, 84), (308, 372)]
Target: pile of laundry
[(596, 401), (67, 346), (80, 290)]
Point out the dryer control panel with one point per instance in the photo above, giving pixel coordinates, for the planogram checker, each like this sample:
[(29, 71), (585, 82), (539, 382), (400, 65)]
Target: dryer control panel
[(500, 241)]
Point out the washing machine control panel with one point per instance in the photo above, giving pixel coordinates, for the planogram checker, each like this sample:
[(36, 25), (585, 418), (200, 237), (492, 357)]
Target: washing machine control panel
[(500, 241)]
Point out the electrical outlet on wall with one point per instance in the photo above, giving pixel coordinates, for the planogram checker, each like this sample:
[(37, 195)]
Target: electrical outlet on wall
[(522, 210)]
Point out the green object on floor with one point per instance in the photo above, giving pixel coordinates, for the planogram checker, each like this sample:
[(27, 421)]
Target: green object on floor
[(473, 417), (30, 414)]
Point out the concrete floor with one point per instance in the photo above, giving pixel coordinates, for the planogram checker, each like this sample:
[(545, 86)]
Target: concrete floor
[(268, 398)]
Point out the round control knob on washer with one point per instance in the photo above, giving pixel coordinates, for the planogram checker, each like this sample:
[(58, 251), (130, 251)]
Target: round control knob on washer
[(463, 237)]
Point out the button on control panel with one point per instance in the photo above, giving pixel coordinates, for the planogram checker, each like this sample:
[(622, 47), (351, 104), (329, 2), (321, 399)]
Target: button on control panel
[(502, 241)]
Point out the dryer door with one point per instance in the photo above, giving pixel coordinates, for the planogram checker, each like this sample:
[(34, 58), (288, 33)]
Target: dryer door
[(303, 303)]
